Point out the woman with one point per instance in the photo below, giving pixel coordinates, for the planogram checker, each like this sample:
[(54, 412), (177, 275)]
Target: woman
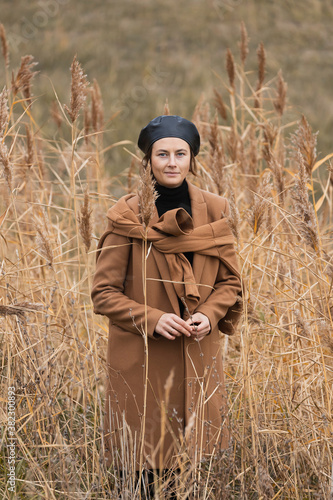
[(192, 290)]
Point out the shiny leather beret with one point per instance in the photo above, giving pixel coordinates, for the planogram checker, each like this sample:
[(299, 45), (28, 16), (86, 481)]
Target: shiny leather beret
[(169, 126)]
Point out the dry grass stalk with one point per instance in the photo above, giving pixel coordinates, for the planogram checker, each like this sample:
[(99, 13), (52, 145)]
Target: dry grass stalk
[(56, 115), (219, 104), (230, 65), (233, 218), (24, 77), (85, 221), (261, 73), (147, 195), (304, 211), (278, 176), (134, 166), (20, 309), (270, 134), (330, 170), (305, 142), (249, 164), (232, 144), (166, 110), (79, 86), (4, 45), (29, 151), (281, 98), (4, 111), (86, 125), (43, 238), (7, 166), (97, 108), (244, 43), (257, 214), (216, 156)]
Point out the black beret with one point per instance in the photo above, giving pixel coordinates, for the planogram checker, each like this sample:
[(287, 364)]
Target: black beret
[(169, 126)]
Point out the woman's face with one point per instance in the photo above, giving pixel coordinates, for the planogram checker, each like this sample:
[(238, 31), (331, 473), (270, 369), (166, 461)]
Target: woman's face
[(170, 161)]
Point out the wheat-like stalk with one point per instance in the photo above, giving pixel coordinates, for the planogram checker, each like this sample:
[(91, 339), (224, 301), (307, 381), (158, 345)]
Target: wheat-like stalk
[(79, 86), (4, 111), (4, 45), (244, 43), (7, 166), (230, 66), (97, 108), (147, 195), (85, 221), (24, 77)]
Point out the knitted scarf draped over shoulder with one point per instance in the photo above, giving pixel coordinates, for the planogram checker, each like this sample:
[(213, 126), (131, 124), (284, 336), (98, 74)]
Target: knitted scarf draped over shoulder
[(173, 235)]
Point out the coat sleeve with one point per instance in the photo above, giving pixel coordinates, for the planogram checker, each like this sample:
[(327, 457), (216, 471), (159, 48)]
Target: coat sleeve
[(108, 294), (223, 305)]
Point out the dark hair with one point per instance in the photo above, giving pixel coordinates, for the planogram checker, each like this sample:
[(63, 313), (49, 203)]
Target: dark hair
[(193, 164)]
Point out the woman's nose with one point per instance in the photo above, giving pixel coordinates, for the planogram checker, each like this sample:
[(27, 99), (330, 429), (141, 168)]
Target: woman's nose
[(172, 160)]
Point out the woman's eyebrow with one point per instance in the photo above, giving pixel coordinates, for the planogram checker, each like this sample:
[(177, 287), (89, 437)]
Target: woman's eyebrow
[(167, 150)]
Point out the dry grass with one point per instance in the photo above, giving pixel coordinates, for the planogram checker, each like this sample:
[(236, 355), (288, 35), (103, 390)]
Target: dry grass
[(279, 368)]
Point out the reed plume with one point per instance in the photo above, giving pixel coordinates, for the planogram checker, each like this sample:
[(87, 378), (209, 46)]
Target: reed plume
[(20, 309), (232, 144), (281, 95), (79, 86), (230, 66), (4, 111), (85, 221), (244, 43), (305, 143), (270, 134), (147, 195), (97, 109), (278, 175), (257, 214), (219, 104), (43, 238), (7, 167), (4, 45), (24, 77), (304, 211)]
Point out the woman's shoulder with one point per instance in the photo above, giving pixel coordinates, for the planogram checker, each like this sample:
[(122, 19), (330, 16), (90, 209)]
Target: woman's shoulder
[(213, 201), (128, 201)]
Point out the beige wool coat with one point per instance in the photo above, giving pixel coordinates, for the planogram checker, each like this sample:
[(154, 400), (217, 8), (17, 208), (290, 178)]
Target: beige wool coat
[(189, 411)]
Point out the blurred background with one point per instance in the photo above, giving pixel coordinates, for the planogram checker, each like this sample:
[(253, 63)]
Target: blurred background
[(144, 52)]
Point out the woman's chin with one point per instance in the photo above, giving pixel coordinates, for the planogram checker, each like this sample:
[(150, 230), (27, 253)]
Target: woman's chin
[(171, 182)]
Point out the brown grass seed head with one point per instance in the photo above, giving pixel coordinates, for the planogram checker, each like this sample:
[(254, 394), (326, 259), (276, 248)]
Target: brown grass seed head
[(4, 45), (79, 86), (24, 76)]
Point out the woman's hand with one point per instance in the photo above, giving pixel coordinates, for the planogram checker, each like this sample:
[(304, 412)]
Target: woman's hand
[(200, 325), (171, 326)]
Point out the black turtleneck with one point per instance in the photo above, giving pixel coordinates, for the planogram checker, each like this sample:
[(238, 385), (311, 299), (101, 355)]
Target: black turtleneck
[(170, 198)]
